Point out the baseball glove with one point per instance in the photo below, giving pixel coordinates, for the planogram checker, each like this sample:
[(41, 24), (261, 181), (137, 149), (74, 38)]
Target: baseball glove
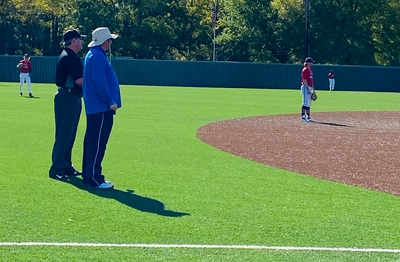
[(314, 96)]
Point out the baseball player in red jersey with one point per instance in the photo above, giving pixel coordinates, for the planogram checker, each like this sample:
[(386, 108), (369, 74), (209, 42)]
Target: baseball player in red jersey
[(307, 88), (331, 79), (25, 67)]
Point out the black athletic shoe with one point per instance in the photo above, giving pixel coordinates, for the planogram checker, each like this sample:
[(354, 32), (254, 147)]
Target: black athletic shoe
[(58, 176), (74, 172), (30, 95), (20, 94)]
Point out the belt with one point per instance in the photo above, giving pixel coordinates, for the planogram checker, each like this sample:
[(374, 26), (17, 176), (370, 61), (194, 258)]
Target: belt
[(69, 90)]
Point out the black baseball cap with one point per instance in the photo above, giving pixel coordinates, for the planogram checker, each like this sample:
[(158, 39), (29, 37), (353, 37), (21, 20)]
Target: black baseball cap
[(71, 34), (26, 55)]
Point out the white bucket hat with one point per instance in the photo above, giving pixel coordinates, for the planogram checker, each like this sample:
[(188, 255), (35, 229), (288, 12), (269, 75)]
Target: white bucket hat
[(100, 35)]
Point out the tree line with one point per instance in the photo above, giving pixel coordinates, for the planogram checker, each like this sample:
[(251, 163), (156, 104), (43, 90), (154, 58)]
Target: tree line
[(350, 32)]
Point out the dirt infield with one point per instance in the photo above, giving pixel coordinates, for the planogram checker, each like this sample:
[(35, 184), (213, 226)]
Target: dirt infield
[(357, 148)]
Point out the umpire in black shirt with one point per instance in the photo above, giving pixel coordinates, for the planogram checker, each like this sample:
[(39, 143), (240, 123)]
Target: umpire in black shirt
[(67, 105)]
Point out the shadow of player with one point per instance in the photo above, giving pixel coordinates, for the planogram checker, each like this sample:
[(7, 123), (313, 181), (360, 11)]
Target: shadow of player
[(331, 124), (128, 198)]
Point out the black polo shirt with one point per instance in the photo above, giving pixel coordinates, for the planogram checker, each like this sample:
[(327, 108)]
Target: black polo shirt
[(69, 69)]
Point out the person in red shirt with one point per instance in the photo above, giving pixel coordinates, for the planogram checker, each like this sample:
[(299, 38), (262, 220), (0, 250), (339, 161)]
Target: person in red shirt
[(307, 88), (25, 67), (331, 79)]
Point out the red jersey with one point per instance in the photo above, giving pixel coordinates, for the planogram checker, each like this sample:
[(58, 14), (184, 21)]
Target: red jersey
[(307, 74), (25, 67), (331, 76)]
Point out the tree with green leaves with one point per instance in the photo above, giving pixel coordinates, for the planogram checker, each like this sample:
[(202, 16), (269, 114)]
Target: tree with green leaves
[(250, 32), (341, 31)]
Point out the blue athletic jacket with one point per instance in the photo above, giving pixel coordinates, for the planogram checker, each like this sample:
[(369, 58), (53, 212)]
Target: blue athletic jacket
[(100, 84)]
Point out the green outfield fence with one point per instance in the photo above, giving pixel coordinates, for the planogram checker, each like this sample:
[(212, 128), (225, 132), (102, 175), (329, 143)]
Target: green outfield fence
[(220, 74)]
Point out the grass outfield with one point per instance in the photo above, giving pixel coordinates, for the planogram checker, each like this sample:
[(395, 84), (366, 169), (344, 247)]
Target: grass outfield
[(171, 188)]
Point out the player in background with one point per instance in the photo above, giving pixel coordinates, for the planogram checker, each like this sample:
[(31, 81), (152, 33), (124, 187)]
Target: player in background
[(331, 79), (307, 88), (25, 67)]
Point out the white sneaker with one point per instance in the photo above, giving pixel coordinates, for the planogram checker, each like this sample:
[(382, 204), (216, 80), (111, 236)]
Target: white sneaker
[(106, 185), (310, 119), (303, 119)]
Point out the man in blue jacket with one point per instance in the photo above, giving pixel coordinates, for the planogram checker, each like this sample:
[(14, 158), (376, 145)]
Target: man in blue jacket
[(102, 97)]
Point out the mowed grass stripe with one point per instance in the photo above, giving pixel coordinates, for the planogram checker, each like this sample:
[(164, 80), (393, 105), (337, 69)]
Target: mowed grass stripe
[(158, 164)]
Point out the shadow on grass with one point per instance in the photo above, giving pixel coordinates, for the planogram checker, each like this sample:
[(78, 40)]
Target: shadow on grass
[(32, 97), (129, 198)]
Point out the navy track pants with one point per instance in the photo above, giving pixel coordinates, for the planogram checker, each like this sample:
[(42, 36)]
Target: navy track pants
[(98, 130)]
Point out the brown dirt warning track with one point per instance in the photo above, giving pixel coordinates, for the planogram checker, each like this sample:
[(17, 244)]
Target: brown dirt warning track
[(357, 148)]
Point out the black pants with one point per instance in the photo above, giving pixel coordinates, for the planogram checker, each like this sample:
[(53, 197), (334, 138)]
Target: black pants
[(67, 111), (98, 130)]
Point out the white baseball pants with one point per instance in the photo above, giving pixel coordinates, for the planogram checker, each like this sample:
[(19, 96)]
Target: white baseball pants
[(24, 77), (331, 84), (306, 96)]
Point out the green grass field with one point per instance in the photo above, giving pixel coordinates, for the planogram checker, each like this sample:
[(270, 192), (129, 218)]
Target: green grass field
[(171, 188)]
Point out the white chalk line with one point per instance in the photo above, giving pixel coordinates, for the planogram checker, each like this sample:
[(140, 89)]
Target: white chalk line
[(253, 247)]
